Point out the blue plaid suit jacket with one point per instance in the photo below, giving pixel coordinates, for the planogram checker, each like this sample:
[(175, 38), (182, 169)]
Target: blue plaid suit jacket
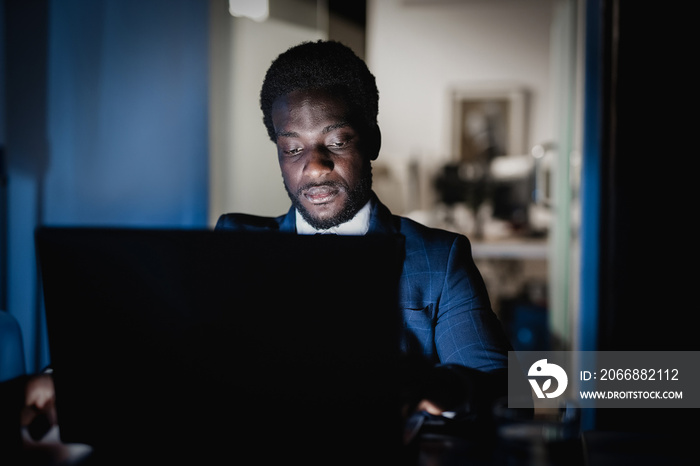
[(446, 310)]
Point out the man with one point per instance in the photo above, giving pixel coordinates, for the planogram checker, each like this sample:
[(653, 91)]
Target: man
[(320, 106)]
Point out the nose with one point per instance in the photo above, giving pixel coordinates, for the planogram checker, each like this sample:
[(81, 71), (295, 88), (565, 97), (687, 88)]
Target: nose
[(318, 163)]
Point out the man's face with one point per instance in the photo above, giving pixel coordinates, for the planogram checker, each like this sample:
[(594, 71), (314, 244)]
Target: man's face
[(323, 157)]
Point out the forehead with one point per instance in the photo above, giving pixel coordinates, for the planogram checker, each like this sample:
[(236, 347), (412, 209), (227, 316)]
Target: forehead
[(309, 106)]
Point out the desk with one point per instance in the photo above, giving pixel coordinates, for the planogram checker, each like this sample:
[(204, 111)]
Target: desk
[(602, 448), (445, 451), (593, 448)]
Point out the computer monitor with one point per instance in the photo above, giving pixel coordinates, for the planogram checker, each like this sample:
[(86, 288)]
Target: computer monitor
[(196, 343)]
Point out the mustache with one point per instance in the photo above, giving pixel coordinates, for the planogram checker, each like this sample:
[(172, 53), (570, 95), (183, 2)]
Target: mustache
[(326, 184)]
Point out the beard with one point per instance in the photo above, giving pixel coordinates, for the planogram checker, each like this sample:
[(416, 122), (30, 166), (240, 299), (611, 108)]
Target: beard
[(357, 197)]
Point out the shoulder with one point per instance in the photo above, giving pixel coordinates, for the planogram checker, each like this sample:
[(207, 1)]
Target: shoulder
[(432, 252), (384, 221), (419, 235)]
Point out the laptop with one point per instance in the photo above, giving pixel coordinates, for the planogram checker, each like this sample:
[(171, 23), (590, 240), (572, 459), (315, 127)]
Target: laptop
[(176, 344)]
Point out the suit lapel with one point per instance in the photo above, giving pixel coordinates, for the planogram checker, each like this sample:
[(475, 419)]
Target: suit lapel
[(287, 223), (381, 220)]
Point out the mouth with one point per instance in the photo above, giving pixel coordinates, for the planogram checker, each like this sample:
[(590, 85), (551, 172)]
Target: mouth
[(318, 195)]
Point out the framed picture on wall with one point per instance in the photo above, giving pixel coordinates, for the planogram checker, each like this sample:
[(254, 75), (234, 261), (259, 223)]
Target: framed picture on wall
[(487, 122)]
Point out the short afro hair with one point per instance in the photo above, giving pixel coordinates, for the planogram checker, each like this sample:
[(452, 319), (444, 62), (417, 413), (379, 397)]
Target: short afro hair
[(326, 65)]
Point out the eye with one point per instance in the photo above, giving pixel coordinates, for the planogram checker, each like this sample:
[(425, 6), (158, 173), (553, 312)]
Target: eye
[(292, 151), (339, 143)]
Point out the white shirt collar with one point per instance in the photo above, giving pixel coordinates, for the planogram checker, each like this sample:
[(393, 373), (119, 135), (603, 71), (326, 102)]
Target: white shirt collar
[(356, 226)]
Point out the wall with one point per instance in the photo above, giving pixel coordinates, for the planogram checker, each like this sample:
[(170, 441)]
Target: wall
[(414, 49), (106, 124), (418, 51), (244, 171)]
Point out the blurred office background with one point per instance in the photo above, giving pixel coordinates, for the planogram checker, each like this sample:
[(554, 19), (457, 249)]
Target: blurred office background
[(512, 121)]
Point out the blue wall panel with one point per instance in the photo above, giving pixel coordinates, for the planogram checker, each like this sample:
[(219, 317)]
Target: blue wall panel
[(107, 126), (128, 113)]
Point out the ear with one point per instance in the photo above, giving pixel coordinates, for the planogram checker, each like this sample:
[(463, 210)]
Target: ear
[(375, 143)]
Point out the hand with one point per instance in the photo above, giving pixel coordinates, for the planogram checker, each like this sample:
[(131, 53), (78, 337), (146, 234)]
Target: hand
[(39, 411), (430, 407)]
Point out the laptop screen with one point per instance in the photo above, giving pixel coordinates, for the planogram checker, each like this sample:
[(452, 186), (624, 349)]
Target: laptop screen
[(176, 339)]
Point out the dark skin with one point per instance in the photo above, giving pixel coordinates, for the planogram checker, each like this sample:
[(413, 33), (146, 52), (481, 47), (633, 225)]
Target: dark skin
[(39, 399), (323, 155)]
